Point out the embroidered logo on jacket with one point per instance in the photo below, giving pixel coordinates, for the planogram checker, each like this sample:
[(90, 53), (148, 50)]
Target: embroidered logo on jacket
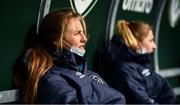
[(146, 72), (97, 79), (80, 74)]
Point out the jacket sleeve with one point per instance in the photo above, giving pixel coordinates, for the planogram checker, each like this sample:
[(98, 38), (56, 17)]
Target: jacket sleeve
[(54, 90), (103, 93), (166, 95), (131, 83)]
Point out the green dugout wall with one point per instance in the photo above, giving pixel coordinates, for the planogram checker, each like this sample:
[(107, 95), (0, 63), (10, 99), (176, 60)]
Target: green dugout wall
[(17, 17)]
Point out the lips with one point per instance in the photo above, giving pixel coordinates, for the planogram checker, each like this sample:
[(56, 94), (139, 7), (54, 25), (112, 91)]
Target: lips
[(82, 47)]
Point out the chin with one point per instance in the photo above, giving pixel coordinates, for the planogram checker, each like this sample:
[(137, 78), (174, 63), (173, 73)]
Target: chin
[(82, 49)]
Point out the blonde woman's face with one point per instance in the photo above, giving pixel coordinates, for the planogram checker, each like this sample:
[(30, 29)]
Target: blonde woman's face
[(74, 34), (148, 42)]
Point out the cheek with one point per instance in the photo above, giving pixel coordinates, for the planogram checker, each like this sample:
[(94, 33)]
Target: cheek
[(150, 47), (74, 42), (147, 46)]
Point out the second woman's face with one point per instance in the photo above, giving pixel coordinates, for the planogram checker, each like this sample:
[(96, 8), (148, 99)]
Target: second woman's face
[(74, 34), (148, 42)]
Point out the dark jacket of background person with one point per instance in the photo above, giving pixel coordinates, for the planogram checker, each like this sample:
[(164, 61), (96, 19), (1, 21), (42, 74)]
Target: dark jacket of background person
[(130, 73)]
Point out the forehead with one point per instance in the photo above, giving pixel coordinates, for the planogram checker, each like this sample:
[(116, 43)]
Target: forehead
[(73, 24)]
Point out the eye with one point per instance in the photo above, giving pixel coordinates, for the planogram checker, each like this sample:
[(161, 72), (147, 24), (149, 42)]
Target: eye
[(77, 33), (152, 40)]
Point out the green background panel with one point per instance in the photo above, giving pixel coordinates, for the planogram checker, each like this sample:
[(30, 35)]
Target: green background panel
[(16, 18), (169, 41)]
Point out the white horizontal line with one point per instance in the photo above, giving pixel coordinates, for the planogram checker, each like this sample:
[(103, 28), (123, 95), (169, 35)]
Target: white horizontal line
[(9, 96), (177, 90), (171, 72)]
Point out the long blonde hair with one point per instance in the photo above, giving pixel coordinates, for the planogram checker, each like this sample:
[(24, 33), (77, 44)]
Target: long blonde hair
[(51, 30), (132, 32)]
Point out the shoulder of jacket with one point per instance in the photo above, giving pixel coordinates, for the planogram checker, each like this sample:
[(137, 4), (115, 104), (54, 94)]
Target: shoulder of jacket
[(131, 67), (129, 64), (52, 76)]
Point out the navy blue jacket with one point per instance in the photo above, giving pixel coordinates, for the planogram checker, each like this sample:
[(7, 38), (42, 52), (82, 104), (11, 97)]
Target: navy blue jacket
[(130, 73), (69, 82)]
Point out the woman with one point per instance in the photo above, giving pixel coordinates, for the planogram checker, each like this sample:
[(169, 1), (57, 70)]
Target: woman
[(129, 58), (55, 66)]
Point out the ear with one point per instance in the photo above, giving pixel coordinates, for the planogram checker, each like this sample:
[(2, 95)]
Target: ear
[(55, 43)]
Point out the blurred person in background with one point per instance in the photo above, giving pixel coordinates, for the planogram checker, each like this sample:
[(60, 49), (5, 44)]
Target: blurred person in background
[(128, 59)]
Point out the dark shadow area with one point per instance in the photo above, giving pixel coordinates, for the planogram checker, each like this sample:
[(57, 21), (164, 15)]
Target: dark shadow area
[(99, 60), (19, 74)]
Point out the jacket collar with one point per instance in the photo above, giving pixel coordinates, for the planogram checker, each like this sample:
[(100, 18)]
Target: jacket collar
[(69, 60), (120, 52)]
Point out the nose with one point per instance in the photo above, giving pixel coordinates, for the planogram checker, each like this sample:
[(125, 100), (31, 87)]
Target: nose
[(154, 46), (83, 38)]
